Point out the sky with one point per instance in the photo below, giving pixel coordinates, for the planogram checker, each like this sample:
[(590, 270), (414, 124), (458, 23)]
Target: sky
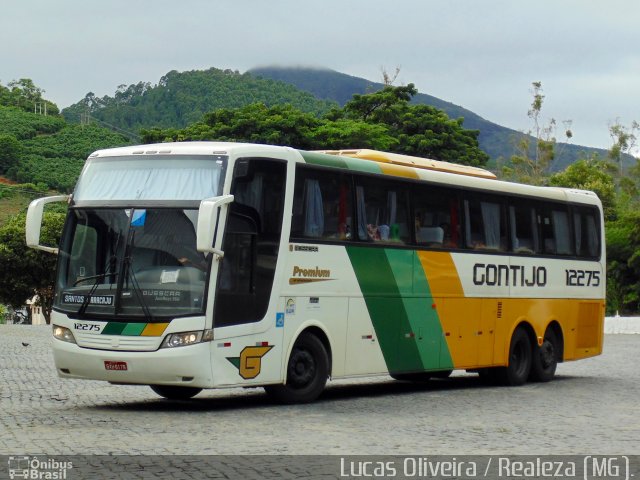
[(481, 55)]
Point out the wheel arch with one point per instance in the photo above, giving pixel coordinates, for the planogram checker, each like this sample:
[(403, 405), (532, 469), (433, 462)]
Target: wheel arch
[(555, 326), (316, 329), (528, 328)]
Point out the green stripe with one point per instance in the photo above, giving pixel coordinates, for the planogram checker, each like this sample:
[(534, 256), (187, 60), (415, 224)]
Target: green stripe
[(121, 328), (113, 328), (133, 329), (347, 163), (399, 302)]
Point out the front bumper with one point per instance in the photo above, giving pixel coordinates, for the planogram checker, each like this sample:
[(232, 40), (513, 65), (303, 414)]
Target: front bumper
[(180, 366)]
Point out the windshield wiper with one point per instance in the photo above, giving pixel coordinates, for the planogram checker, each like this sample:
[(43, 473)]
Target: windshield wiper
[(92, 290), (129, 273), (95, 277)]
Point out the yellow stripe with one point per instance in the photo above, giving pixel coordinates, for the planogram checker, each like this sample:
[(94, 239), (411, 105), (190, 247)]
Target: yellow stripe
[(154, 329), (441, 274), (397, 170)]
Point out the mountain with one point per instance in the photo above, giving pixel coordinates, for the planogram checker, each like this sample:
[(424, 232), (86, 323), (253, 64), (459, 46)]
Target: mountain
[(182, 98), (496, 140)]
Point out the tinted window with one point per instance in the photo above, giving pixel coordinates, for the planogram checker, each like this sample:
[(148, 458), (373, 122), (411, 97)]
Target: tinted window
[(485, 224), (524, 228), (554, 225), (587, 232), (436, 217), (322, 205), (382, 213)]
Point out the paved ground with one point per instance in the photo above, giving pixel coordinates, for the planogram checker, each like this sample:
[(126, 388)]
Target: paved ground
[(590, 408)]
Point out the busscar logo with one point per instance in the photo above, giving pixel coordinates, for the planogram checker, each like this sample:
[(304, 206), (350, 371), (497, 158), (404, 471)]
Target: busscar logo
[(309, 275), (303, 248)]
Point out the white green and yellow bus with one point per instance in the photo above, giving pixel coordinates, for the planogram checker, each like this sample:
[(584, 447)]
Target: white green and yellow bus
[(186, 266)]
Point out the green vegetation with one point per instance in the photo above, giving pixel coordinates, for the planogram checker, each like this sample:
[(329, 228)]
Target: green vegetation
[(46, 153), (383, 120), (56, 160), (497, 141), (28, 272), (24, 95), (44, 149), (180, 99)]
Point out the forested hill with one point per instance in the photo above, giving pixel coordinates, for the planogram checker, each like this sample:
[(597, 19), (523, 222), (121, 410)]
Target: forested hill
[(496, 140), (182, 98), (44, 150)]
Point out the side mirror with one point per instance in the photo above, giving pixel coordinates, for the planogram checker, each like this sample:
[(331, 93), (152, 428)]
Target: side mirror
[(34, 222), (208, 222)]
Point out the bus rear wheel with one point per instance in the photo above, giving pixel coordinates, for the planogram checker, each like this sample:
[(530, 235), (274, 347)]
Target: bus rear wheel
[(307, 372), (520, 360), (175, 393), (545, 358)]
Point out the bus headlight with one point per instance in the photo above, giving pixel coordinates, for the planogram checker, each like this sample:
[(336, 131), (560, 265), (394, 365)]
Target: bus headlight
[(187, 338), (64, 334)]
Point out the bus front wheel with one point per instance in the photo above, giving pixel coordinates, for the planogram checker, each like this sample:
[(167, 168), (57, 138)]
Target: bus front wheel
[(175, 393), (520, 360), (307, 372)]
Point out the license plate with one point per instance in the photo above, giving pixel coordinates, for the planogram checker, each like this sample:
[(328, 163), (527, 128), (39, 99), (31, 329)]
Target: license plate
[(109, 365)]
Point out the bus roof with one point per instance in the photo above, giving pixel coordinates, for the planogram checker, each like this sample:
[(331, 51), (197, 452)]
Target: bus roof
[(364, 160), (410, 161)]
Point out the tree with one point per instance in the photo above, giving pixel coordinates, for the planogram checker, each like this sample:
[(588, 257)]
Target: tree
[(623, 263), (624, 141), (27, 272), (590, 174), (530, 164), (420, 130), (382, 120), (10, 152)]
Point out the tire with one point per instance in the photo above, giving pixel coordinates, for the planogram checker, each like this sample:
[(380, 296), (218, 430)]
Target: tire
[(545, 358), (490, 375), (412, 377), (175, 393), (307, 372), (520, 359)]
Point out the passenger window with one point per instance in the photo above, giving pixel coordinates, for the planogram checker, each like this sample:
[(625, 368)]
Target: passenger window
[(587, 238), (524, 229), (485, 225), (382, 211), (322, 206), (436, 212), (556, 232)]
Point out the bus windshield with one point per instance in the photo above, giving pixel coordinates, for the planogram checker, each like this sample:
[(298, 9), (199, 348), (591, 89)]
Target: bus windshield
[(128, 263)]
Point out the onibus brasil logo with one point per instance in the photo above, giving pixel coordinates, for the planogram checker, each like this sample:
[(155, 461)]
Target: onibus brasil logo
[(40, 468)]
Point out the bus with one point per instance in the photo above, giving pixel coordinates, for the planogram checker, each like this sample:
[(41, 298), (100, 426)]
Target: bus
[(196, 265)]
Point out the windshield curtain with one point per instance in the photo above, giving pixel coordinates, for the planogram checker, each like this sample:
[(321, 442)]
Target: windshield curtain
[(154, 177), (131, 263)]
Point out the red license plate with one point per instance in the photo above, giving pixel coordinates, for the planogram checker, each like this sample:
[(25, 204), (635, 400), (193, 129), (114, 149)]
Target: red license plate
[(109, 365)]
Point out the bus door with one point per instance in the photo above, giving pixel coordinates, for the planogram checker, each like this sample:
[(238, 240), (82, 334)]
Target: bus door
[(251, 242)]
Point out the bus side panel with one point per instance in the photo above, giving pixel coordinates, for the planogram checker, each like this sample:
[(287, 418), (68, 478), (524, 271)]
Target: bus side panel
[(401, 308), (317, 289), (363, 353), (241, 356), (481, 299), (328, 313)]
